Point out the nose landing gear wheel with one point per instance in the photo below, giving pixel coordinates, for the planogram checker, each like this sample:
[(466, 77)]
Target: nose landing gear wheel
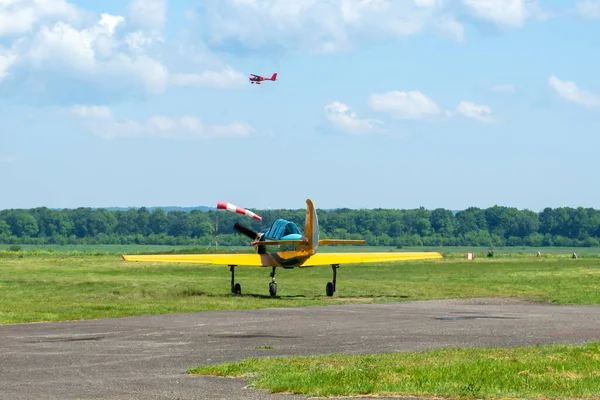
[(237, 289), (273, 285)]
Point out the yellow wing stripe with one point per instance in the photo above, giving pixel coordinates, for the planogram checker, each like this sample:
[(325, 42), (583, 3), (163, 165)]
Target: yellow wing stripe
[(251, 260), (358, 258)]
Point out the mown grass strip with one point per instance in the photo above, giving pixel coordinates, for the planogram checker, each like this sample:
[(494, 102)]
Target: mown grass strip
[(540, 372)]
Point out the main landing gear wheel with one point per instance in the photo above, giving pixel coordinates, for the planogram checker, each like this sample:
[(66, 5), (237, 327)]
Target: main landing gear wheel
[(330, 288), (236, 288), (273, 285)]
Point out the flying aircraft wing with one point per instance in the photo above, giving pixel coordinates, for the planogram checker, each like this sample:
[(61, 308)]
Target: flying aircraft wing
[(356, 258), (242, 260)]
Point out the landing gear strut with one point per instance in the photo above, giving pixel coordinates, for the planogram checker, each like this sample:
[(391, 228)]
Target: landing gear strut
[(273, 285), (236, 288), (330, 288)]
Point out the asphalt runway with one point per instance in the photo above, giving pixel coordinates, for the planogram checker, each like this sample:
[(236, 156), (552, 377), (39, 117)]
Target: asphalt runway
[(147, 357)]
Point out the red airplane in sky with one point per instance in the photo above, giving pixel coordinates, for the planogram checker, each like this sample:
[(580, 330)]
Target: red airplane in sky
[(258, 79)]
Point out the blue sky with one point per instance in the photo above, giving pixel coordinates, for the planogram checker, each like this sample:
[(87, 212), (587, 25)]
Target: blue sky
[(378, 103)]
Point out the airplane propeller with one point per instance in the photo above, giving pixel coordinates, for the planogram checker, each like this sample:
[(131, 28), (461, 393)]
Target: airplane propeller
[(244, 230)]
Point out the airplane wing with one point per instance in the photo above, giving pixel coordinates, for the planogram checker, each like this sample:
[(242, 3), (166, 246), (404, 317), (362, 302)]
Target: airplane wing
[(242, 260), (264, 260), (357, 258)]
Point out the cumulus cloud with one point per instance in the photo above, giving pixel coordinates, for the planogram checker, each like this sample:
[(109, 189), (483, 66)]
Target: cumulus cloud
[(55, 44), (320, 26), (589, 8), (7, 59), (344, 119), (569, 91), (96, 52), (508, 13), (404, 105), (339, 25), (148, 13), (481, 113), (102, 122), (18, 17)]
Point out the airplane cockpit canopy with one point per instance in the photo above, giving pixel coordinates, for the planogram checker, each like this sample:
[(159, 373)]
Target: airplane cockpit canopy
[(282, 228)]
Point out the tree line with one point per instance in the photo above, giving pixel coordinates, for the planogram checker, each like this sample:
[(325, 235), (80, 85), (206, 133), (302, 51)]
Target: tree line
[(494, 226)]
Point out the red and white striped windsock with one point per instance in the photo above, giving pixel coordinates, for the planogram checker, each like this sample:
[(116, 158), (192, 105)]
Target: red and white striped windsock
[(222, 205)]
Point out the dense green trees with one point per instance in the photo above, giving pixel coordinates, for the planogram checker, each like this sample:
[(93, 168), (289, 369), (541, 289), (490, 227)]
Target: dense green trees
[(494, 226)]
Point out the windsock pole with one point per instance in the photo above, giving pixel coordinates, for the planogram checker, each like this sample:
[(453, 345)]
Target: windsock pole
[(217, 231)]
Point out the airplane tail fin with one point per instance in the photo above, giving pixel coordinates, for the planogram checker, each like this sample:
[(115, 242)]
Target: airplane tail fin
[(274, 77), (311, 228)]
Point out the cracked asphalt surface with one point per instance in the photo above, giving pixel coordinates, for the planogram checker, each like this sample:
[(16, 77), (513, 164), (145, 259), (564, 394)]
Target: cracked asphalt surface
[(147, 357)]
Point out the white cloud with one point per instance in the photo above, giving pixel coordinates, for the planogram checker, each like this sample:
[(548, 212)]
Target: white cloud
[(338, 25), (449, 25), (342, 118), (102, 122), (148, 13), (569, 91), (59, 44), (226, 78), (18, 17), (504, 88), (589, 8), (7, 59), (509, 13), (320, 26), (404, 105), (481, 113), (138, 40), (96, 53)]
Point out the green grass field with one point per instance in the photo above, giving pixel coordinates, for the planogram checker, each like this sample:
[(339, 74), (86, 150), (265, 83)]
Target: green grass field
[(538, 372), (57, 286), (73, 283)]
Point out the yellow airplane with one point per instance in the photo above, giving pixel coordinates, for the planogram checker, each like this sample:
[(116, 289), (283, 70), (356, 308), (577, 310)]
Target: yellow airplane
[(284, 246)]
